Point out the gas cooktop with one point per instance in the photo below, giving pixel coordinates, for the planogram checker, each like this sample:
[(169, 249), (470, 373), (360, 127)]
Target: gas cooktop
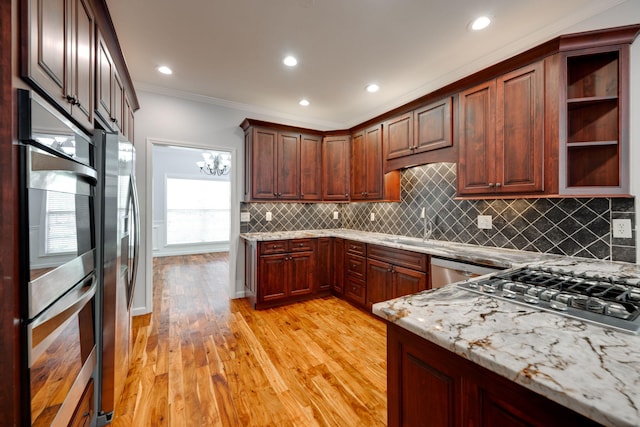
[(605, 301)]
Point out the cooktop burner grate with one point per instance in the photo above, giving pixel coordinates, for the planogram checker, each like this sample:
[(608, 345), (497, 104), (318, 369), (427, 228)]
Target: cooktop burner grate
[(602, 300)]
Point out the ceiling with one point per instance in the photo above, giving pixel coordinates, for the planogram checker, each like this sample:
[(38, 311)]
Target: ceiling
[(230, 52)]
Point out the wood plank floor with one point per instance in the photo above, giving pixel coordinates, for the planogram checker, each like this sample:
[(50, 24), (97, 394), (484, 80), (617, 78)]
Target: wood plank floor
[(201, 359)]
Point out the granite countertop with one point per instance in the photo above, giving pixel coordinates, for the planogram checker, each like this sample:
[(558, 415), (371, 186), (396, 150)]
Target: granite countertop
[(489, 256), (592, 370)]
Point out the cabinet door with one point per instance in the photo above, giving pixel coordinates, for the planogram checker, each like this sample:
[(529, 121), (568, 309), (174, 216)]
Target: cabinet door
[(263, 164), (272, 277), (373, 162), (80, 79), (335, 168), (379, 281), (288, 166), (477, 158), (48, 48), (324, 264), (358, 167), (338, 265), (310, 167), (433, 126), (519, 130), (419, 390), (407, 281), (117, 99), (398, 136), (301, 273), (104, 81)]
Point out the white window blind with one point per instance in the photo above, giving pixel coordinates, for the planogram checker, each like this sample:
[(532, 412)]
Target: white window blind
[(198, 211), (61, 234)]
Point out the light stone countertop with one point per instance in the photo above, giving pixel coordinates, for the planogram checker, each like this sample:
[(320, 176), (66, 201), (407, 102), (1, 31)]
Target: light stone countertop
[(484, 255), (590, 369)]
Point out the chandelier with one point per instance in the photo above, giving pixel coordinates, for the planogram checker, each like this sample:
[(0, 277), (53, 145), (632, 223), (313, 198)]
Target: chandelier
[(215, 163)]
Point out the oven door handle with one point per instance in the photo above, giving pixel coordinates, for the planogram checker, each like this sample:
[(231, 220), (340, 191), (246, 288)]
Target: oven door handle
[(45, 328), (43, 162)]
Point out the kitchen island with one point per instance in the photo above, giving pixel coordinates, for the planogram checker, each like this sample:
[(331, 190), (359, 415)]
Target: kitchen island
[(592, 370)]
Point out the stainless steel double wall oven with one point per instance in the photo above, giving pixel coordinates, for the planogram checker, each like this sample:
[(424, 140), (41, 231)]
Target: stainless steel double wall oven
[(58, 268)]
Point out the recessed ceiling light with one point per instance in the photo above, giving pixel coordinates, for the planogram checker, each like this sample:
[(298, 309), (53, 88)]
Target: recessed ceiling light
[(290, 61), (480, 23), (304, 102), (373, 88), (165, 70)]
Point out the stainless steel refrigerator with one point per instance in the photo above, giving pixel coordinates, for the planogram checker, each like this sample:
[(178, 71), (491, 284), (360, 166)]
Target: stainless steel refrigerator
[(118, 256)]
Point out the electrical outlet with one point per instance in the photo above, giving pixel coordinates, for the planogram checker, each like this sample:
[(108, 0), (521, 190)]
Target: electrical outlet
[(245, 216), (422, 213), (622, 228), (268, 216), (335, 215), (485, 222), (372, 217)]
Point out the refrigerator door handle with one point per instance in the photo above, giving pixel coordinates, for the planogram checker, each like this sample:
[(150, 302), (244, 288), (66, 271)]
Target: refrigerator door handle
[(136, 237)]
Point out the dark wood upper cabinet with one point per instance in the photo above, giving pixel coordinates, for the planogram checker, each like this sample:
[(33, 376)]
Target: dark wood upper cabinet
[(424, 129), (501, 134), (261, 148), (433, 126), (60, 59), (287, 170), (281, 164), (335, 168), (110, 89), (368, 180), (310, 167)]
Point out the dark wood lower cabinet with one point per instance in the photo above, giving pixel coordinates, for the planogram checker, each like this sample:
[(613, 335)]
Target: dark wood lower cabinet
[(428, 385), (324, 263)]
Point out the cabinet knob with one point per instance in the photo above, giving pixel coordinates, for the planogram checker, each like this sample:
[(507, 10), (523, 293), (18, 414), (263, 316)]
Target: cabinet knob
[(275, 246), (498, 185), (346, 195), (300, 244), (491, 185)]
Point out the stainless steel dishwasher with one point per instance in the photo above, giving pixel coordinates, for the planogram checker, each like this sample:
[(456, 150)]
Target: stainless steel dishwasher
[(446, 271)]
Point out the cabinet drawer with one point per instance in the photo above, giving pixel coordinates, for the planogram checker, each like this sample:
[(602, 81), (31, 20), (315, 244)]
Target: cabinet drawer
[(355, 290), (355, 266), (401, 257), (301, 245), (273, 247), (356, 248)]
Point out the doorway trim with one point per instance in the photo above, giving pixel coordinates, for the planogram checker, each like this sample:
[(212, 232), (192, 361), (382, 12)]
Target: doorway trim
[(234, 236)]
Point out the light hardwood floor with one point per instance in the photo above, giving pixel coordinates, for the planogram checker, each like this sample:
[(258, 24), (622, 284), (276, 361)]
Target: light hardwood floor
[(201, 359)]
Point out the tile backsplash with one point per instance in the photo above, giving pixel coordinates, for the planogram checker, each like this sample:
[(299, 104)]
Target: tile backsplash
[(566, 226)]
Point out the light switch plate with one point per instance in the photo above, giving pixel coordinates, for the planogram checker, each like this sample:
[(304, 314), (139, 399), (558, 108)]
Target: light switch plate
[(245, 216), (268, 216), (372, 217), (335, 215), (622, 228), (485, 222)]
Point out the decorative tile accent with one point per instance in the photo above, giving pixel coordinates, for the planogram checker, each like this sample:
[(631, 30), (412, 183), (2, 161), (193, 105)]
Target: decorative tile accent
[(565, 226)]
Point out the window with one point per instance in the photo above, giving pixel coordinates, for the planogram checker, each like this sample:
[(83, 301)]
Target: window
[(61, 233), (198, 211)]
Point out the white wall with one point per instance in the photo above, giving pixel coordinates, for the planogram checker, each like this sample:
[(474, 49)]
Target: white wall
[(196, 123)]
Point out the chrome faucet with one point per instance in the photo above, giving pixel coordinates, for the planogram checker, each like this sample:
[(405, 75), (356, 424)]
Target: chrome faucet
[(428, 226)]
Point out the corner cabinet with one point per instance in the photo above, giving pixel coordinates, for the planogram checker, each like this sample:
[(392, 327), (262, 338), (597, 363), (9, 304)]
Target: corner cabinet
[(502, 134), (60, 54), (428, 382), (368, 180), (594, 146)]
